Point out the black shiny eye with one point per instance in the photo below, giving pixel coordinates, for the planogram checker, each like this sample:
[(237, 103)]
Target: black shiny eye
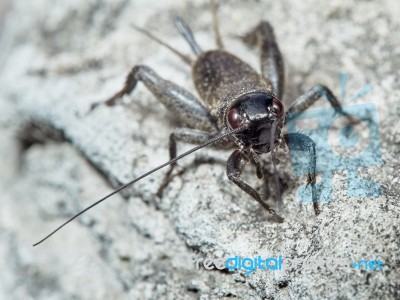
[(234, 118), (277, 107)]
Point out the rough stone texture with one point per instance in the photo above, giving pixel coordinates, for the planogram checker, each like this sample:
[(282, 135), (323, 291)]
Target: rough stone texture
[(57, 58)]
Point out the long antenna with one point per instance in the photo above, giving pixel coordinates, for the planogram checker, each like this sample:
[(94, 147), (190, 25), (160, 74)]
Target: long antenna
[(184, 57), (211, 141)]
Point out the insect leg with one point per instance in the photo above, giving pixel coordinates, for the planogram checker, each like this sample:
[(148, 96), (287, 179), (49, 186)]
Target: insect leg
[(187, 34), (186, 135), (184, 105), (301, 142), (312, 96), (234, 168), (257, 163), (272, 67)]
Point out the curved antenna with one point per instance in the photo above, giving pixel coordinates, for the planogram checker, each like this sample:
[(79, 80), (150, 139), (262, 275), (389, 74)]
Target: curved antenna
[(184, 57), (209, 142)]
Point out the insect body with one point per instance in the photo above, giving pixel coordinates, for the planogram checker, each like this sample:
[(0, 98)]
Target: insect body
[(240, 108)]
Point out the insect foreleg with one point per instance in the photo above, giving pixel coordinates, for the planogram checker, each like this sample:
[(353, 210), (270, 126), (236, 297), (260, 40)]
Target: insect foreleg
[(234, 168)]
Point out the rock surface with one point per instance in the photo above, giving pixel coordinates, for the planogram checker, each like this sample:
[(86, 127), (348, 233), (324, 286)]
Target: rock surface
[(58, 58)]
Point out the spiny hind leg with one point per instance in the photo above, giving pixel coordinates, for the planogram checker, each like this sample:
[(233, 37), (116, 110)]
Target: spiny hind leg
[(272, 68), (186, 108), (184, 105)]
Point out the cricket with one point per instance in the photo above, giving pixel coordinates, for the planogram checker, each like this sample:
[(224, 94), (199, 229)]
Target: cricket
[(238, 108)]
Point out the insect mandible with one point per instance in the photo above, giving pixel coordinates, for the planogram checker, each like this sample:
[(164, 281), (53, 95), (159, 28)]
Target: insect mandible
[(240, 108)]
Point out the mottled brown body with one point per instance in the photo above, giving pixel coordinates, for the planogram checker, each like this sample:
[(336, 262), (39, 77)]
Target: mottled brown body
[(221, 78)]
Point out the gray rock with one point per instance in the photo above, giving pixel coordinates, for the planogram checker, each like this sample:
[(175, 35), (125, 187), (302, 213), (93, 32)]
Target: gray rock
[(58, 58)]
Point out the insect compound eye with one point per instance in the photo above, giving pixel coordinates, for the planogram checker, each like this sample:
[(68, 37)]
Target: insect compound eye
[(234, 118), (277, 107)]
